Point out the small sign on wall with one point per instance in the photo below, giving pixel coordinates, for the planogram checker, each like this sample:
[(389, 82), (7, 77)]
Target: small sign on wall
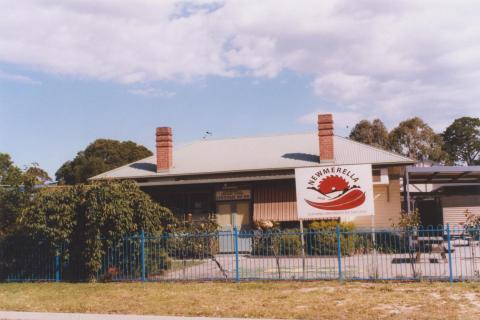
[(229, 195), (334, 191)]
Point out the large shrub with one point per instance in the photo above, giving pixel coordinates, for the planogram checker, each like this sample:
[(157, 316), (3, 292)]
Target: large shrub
[(83, 220), (321, 238), (193, 240), (276, 242)]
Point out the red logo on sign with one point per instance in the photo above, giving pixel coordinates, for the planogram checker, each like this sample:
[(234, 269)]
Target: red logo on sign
[(336, 191)]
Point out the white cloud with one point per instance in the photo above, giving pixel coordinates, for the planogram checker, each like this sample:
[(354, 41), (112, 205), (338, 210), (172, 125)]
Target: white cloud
[(17, 78), (152, 92), (390, 59)]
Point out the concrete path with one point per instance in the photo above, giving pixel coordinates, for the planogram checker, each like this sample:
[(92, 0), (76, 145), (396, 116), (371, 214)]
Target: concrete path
[(13, 315)]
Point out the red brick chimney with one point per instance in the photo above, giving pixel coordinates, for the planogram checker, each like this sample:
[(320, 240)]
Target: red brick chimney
[(325, 137), (164, 148)]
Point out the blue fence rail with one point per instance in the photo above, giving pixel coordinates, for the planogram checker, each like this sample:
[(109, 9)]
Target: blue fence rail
[(442, 253)]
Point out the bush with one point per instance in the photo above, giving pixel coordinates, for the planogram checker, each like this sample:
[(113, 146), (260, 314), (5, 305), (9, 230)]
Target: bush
[(277, 242), (24, 257), (193, 240), (84, 220), (157, 262), (321, 238)]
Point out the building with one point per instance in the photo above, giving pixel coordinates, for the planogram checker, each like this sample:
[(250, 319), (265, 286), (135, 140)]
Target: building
[(443, 194), (243, 180)]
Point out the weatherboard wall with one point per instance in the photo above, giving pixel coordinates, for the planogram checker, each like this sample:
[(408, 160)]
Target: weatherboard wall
[(387, 203), (277, 202), (455, 206)]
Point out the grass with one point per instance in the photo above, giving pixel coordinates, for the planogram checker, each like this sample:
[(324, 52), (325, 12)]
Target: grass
[(305, 300)]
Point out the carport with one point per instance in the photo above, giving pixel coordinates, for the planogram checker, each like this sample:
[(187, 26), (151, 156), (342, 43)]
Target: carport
[(444, 176)]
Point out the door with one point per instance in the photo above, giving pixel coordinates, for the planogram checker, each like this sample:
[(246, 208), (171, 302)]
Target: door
[(233, 213), (229, 214), (430, 212)]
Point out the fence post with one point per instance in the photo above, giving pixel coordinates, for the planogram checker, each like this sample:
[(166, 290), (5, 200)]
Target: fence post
[(303, 248), (57, 267), (235, 234), (449, 254), (142, 252), (339, 254)]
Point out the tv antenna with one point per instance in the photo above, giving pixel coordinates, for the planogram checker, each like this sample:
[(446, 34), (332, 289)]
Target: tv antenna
[(206, 135)]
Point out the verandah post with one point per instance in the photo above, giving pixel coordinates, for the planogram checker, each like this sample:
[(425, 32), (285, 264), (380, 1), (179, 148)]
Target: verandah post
[(142, 252), (339, 254), (235, 234), (449, 254)]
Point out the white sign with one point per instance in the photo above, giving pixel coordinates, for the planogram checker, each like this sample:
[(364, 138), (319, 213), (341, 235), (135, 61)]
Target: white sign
[(334, 191), (225, 195)]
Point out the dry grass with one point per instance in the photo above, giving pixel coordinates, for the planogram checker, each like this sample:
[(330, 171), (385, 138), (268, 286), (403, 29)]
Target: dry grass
[(305, 300)]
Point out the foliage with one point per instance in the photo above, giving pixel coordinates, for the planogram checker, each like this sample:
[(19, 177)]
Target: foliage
[(322, 238), (415, 139), (85, 219), (100, 156), (472, 220), (277, 242), (17, 188), (36, 175), (408, 220), (408, 225), (462, 140), (157, 261), (472, 224), (270, 239), (328, 225), (193, 239), (373, 133), (9, 173)]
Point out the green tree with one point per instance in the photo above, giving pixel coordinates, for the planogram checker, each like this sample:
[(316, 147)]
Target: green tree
[(36, 175), (373, 133), (462, 140), (9, 173), (16, 190), (84, 219), (415, 139), (100, 156)]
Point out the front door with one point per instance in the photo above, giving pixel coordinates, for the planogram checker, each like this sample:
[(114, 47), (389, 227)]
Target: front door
[(233, 213), (229, 214)]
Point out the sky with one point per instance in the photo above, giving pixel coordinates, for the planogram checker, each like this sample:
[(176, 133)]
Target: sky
[(74, 71)]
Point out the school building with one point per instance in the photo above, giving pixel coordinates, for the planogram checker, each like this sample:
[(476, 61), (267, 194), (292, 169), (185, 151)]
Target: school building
[(253, 178)]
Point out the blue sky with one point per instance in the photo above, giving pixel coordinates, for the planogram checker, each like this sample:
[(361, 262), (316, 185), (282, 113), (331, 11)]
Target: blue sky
[(49, 121), (73, 71)]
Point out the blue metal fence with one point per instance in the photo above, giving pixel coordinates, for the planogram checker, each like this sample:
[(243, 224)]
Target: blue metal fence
[(441, 253)]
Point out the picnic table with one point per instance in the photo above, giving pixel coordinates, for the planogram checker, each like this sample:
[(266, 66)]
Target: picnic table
[(429, 244)]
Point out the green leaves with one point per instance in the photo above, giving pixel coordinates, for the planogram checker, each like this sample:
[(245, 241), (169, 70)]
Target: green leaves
[(373, 133), (86, 218), (462, 140), (417, 140), (100, 156), (459, 143)]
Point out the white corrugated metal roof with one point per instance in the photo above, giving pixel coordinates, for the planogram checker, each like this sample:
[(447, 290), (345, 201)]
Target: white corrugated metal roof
[(255, 154)]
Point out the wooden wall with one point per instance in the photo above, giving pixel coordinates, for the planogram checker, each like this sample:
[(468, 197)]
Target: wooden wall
[(275, 201), (454, 208), (387, 202)]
